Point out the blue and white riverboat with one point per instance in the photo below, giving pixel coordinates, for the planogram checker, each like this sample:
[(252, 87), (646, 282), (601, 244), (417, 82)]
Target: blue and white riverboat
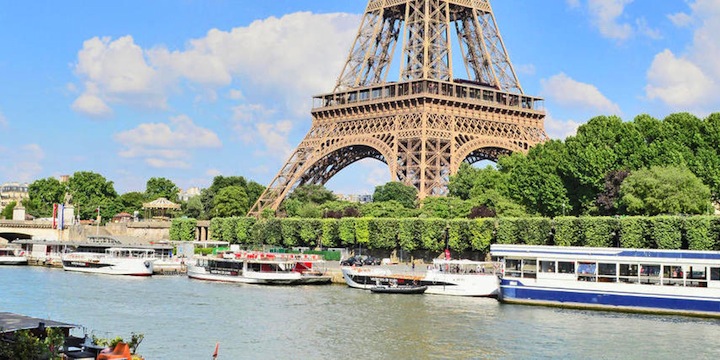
[(638, 280)]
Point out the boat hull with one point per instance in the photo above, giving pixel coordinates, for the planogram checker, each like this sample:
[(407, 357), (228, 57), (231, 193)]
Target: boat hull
[(399, 289), (199, 273), (476, 285), (13, 260), (625, 297), (108, 265)]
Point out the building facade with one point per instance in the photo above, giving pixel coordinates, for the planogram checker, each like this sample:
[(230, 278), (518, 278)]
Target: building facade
[(13, 191)]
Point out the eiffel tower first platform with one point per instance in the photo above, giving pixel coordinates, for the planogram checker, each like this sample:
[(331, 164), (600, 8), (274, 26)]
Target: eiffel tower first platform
[(428, 121)]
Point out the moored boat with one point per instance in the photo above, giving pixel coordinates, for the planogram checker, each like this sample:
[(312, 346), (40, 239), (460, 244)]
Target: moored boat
[(114, 261), (245, 267), (12, 256), (639, 280), (462, 277), (399, 289), (443, 277)]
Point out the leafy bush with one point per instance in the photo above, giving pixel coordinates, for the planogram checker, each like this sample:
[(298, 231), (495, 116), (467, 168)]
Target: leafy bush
[(330, 235), (183, 229), (346, 231), (634, 232), (433, 234), (698, 232), (383, 233), (409, 234), (458, 234), (506, 232), (666, 231), (568, 231), (533, 231), (599, 231), (481, 233)]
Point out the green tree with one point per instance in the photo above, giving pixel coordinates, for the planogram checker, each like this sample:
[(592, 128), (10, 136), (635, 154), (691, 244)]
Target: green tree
[(230, 201), (7, 212), (161, 187), (470, 181), (394, 190), (193, 207), (91, 191), (207, 196), (312, 193), (131, 202), (253, 190), (386, 209), (663, 190), (42, 195), (444, 207)]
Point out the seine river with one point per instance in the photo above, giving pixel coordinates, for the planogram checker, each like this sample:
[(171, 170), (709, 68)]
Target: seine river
[(184, 319)]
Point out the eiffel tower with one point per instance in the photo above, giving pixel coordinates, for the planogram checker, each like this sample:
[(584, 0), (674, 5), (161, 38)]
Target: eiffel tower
[(425, 124)]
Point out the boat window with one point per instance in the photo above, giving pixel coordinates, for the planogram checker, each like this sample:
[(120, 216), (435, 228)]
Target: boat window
[(628, 273), (566, 267), (512, 267), (649, 274), (529, 268), (697, 273), (714, 273), (547, 266), (672, 275), (607, 272), (586, 271)]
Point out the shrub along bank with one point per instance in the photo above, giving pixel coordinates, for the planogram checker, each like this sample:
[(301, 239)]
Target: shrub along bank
[(461, 235)]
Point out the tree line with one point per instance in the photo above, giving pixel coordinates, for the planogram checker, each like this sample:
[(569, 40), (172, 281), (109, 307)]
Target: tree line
[(610, 167)]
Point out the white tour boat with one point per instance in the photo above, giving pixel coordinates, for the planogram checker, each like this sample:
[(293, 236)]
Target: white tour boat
[(642, 280), (463, 277), (444, 277), (114, 261), (246, 267), (12, 256)]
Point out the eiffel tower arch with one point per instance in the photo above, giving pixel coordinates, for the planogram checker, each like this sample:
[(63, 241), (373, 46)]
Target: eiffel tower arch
[(427, 122)]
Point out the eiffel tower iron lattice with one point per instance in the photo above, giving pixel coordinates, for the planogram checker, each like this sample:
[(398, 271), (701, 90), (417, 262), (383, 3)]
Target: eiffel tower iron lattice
[(425, 124)]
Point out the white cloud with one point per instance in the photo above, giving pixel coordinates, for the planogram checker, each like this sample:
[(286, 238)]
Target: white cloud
[(275, 138), (213, 172), (560, 129), (236, 94), (247, 117), (605, 14), (3, 120), (166, 145), (278, 56), (116, 72), (645, 29), (680, 19), (677, 82), (571, 93), (687, 81)]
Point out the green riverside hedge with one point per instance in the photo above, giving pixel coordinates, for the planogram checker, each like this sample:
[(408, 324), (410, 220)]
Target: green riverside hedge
[(416, 234)]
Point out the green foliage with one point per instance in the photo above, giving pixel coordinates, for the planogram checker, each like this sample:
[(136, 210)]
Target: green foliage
[(386, 209), (667, 232), (533, 231), (161, 187), (309, 211), (132, 202), (183, 229), (243, 229), (362, 231), (410, 234), (481, 232), (507, 231), (330, 234), (7, 212), (434, 234), (215, 229), (458, 234), (312, 193), (600, 231), (230, 201), (27, 346), (502, 205), (290, 230), (444, 207), (43, 194), (699, 232), (470, 182), (207, 196), (310, 230), (394, 190), (228, 229), (383, 233), (346, 231), (193, 207), (568, 231), (90, 191), (271, 231), (664, 190), (634, 232)]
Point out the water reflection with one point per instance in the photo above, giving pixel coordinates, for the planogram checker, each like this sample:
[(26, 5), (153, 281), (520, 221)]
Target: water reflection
[(185, 318)]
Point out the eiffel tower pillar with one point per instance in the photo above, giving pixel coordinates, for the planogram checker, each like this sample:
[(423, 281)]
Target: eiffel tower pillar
[(428, 122)]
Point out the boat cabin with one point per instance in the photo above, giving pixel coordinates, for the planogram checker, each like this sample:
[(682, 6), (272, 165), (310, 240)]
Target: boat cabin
[(613, 265)]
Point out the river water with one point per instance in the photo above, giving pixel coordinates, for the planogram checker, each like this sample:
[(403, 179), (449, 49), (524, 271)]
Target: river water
[(184, 319)]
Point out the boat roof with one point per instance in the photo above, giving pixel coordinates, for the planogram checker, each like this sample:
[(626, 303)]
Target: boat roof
[(459, 262), (117, 241), (11, 322), (595, 252)]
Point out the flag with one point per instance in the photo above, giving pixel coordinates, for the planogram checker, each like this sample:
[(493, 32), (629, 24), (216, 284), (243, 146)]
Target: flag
[(215, 354)]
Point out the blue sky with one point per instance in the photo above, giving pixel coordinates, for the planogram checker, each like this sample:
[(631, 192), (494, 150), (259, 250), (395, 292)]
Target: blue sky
[(188, 90)]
